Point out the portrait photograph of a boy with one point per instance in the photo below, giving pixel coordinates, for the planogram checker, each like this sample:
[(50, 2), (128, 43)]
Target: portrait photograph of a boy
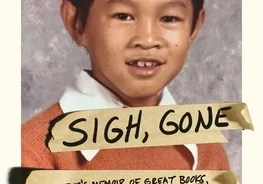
[(103, 54)]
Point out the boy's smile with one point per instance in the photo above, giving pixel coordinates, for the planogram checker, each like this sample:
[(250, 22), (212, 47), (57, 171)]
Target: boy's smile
[(144, 66), (137, 47)]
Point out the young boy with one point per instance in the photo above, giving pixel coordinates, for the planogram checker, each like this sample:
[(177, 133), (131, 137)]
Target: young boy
[(136, 48)]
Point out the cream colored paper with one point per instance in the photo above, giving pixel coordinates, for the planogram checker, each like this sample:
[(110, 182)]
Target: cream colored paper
[(149, 133), (131, 177)]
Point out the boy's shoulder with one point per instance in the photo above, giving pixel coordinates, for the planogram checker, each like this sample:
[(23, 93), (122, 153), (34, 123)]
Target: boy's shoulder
[(35, 153), (39, 124)]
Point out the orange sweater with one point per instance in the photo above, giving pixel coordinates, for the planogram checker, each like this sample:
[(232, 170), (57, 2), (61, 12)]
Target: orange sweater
[(35, 153)]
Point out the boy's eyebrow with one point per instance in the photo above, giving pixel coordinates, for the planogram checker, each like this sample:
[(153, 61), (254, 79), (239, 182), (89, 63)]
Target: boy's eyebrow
[(118, 1), (175, 3), (170, 3)]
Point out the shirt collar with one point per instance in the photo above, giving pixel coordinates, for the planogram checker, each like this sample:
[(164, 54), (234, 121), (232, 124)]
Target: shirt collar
[(87, 94)]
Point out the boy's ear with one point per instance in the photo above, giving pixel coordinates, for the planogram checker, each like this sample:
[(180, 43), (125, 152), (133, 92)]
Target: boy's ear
[(199, 23), (69, 15)]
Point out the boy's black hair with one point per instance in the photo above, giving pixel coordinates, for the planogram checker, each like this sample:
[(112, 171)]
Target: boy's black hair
[(83, 7)]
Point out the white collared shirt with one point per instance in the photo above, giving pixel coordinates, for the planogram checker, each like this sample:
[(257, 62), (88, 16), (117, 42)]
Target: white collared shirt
[(87, 94)]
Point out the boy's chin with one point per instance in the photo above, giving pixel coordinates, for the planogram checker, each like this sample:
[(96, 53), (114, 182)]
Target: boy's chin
[(142, 93), (142, 89)]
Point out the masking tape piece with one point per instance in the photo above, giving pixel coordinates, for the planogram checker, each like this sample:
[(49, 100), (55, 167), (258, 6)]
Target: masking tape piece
[(147, 126), (132, 177)]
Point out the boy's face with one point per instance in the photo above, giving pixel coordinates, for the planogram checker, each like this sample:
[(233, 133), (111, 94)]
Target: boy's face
[(137, 47)]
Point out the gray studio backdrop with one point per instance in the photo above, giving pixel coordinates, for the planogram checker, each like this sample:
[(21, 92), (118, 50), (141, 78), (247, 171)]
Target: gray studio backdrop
[(212, 73)]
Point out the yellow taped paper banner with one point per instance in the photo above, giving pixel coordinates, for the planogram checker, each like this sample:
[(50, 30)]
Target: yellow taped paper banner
[(147, 126), (132, 177)]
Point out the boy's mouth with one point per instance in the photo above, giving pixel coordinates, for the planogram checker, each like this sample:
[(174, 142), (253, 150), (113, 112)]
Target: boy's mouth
[(144, 67), (142, 62)]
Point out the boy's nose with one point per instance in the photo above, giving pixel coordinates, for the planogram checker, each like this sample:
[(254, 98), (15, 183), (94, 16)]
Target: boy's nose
[(147, 36)]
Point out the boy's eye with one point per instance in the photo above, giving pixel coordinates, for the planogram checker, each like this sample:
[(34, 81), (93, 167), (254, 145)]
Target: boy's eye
[(123, 16), (168, 19)]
